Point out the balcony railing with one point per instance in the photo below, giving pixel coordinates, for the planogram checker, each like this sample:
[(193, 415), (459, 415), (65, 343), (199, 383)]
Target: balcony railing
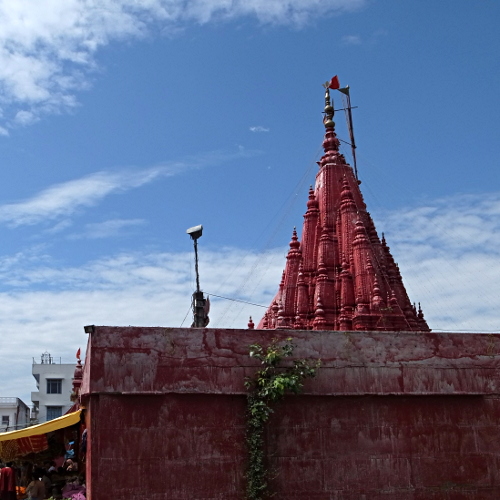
[(9, 401), (49, 361)]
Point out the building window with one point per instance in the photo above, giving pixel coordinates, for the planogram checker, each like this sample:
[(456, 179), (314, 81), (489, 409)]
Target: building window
[(54, 386), (53, 412), (5, 420)]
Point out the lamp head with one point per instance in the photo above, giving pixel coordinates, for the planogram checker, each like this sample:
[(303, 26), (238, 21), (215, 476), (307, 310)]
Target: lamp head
[(195, 232)]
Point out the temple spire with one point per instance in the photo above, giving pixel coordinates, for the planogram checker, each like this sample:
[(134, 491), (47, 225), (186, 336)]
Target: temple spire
[(340, 275)]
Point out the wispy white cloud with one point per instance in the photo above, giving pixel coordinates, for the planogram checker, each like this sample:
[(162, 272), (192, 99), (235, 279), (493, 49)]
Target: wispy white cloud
[(370, 39), (47, 48), (448, 251), (452, 224), (107, 229), (25, 117), (65, 199), (259, 128), (59, 226), (351, 40)]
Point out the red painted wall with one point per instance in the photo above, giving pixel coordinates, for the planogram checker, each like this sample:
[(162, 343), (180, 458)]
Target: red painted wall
[(390, 416)]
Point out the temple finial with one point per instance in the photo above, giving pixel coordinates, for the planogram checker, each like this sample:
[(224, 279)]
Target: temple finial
[(329, 111), (295, 239)]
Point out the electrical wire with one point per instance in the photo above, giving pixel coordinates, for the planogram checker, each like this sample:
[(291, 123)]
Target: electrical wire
[(190, 307), (236, 300), (262, 263)]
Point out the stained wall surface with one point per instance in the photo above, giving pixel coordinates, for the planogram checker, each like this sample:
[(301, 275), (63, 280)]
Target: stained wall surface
[(389, 416)]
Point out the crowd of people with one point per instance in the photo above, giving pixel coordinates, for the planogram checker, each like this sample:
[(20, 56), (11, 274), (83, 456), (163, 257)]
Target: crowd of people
[(36, 482)]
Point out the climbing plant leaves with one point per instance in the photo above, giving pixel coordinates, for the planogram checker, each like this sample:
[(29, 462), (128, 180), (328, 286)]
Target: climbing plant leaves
[(268, 386)]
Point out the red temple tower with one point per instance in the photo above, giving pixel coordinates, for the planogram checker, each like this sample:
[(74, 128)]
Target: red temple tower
[(340, 275)]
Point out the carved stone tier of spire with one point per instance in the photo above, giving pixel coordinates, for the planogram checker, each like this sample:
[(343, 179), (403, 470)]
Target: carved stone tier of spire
[(340, 275)]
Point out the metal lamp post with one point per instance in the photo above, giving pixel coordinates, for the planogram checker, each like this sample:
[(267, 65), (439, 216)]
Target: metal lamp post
[(199, 303)]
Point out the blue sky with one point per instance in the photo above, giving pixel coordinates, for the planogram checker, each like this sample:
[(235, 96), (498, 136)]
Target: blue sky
[(123, 125)]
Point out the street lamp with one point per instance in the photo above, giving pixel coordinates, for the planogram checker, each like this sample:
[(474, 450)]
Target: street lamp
[(200, 305)]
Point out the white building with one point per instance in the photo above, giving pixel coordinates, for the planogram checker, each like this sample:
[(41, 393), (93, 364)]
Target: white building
[(14, 414), (54, 384)]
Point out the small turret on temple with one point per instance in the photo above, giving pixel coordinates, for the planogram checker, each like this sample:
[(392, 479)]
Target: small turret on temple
[(340, 275)]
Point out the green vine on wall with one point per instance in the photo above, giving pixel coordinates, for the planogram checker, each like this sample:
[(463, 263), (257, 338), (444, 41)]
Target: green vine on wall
[(268, 386)]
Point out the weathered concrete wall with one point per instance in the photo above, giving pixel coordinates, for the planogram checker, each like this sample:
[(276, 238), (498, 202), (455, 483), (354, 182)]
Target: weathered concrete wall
[(390, 415), (393, 447), (173, 446)]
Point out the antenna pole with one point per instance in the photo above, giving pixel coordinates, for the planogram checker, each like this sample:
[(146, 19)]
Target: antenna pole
[(347, 92), (196, 265), (351, 135)]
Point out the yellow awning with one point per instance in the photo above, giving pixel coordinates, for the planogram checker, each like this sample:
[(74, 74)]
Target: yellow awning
[(51, 425)]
